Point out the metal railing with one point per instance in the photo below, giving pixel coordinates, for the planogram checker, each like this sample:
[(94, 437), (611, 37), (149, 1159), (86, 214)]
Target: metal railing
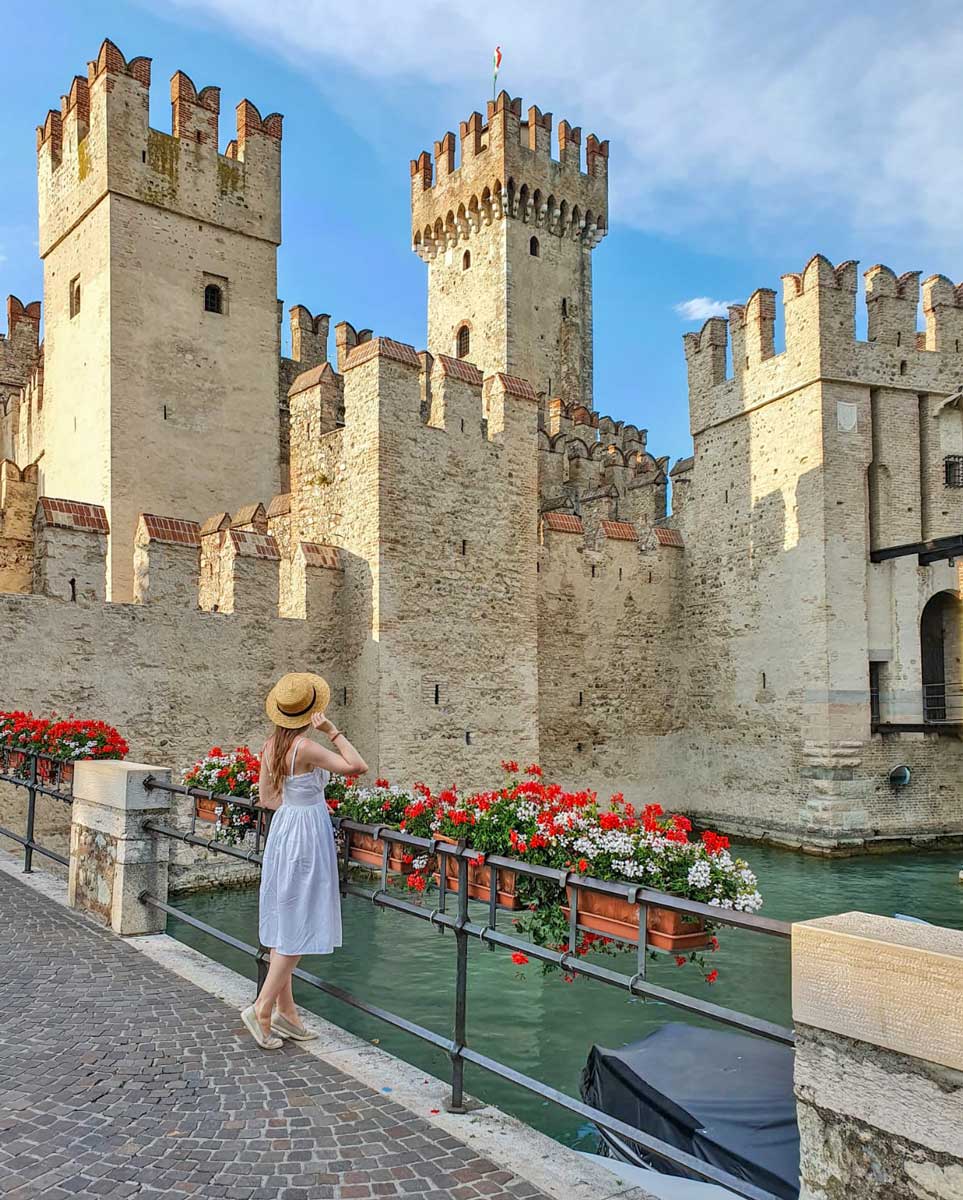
[(462, 925), (943, 703), (40, 775)]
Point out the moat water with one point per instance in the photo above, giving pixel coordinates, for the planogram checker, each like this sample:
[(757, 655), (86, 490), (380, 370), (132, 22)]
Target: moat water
[(545, 1027)]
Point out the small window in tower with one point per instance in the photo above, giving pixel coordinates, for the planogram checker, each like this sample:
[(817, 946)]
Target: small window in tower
[(464, 342), (213, 299), (902, 367), (466, 260), (533, 247), (564, 308), (75, 296)]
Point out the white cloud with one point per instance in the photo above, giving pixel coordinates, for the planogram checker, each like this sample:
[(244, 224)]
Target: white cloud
[(770, 120), (701, 308)]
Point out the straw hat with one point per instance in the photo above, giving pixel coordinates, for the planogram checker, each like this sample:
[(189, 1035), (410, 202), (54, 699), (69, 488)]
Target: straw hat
[(295, 698)]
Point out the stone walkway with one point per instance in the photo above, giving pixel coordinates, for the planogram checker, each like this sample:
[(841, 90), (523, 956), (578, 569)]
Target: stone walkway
[(119, 1078)]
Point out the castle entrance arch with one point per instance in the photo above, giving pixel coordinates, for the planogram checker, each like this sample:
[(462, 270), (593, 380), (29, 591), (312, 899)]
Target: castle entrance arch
[(941, 651)]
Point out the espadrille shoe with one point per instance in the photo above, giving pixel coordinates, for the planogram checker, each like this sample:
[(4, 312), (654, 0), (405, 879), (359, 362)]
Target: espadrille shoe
[(287, 1029), (253, 1025)]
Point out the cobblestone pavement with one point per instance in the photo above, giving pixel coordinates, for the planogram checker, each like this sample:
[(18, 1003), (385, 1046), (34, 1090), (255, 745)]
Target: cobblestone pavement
[(118, 1078)]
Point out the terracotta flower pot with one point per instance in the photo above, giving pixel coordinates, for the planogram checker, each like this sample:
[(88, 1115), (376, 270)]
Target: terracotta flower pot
[(665, 928), (206, 809), (369, 850), (56, 773), (479, 881), (15, 761)]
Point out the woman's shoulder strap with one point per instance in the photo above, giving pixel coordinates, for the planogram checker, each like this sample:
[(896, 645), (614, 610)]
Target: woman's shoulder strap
[(294, 753)]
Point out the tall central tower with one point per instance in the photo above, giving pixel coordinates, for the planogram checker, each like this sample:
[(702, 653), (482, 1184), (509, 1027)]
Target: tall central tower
[(508, 236)]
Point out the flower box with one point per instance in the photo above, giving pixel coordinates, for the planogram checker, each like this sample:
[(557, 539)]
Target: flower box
[(368, 850), (207, 808), (15, 762), (665, 928), (479, 880), (57, 774)]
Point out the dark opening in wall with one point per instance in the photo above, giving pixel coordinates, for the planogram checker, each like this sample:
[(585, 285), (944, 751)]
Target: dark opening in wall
[(593, 572), (464, 342), (564, 307), (165, 412), (533, 247), (620, 572), (73, 590), (213, 299), (902, 367), (467, 738), (74, 296), (466, 260), (437, 693), (580, 697), (899, 338), (578, 747), (344, 695), (464, 546)]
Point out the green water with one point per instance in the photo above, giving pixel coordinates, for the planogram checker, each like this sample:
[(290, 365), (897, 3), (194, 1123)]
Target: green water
[(545, 1027)]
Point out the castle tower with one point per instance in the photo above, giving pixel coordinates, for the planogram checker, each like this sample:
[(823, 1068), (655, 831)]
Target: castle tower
[(508, 235), (160, 285)]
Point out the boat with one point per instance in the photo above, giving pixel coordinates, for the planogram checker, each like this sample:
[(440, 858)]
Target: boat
[(722, 1097)]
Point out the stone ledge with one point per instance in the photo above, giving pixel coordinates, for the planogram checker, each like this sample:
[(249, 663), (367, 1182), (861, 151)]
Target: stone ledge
[(888, 983)]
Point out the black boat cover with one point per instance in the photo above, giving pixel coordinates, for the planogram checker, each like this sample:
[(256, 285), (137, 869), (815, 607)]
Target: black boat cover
[(722, 1097)]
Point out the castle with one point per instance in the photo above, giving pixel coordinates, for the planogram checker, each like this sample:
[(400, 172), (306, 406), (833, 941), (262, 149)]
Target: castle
[(481, 563)]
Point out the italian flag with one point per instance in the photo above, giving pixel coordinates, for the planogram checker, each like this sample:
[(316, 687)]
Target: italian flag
[(496, 63)]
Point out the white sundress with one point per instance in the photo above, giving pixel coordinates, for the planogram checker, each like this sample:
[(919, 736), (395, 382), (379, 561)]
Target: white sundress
[(300, 901)]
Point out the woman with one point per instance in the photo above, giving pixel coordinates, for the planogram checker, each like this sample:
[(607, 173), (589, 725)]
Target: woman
[(300, 902)]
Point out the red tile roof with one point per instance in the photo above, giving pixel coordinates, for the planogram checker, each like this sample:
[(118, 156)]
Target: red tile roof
[(316, 375), (280, 506), (316, 555), (254, 545), (382, 348), (563, 522), (620, 531), (215, 524), (668, 537), (71, 514), (517, 387), (251, 514), (173, 530), (459, 368)]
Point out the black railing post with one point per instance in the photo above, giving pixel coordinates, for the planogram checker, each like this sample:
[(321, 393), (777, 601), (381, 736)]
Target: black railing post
[(263, 964), (31, 814), (457, 1104)]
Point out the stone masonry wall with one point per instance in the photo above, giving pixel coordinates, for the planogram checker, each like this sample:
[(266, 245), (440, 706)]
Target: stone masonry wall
[(799, 468)]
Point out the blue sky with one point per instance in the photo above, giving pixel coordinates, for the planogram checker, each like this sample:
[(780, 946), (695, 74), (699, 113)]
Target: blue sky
[(744, 138)]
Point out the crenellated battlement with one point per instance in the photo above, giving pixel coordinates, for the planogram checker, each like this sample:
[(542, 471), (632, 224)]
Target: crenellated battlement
[(819, 312), (20, 359), (100, 141), (505, 169)]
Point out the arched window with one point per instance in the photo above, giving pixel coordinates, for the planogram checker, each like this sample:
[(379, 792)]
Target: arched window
[(464, 342), (466, 260), (533, 247), (213, 299), (941, 627)]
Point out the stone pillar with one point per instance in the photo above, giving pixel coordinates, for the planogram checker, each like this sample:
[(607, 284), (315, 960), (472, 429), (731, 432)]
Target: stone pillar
[(878, 1011), (112, 857)]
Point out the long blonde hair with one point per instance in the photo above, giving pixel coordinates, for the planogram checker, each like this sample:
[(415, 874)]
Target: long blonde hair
[(276, 752)]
